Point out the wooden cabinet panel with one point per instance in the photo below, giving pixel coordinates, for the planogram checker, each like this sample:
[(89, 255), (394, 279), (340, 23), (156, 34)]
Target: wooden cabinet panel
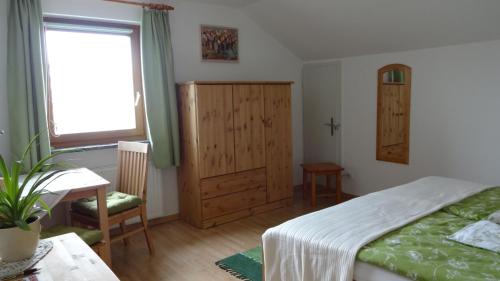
[(189, 197), (278, 124), (248, 127), (233, 202), (215, 130), (213, 187)]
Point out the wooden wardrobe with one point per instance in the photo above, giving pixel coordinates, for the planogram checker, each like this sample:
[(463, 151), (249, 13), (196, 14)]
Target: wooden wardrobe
[(236, 149)]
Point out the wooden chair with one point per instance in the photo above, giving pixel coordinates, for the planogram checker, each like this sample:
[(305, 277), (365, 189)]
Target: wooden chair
[(131, 180), (92, 237)]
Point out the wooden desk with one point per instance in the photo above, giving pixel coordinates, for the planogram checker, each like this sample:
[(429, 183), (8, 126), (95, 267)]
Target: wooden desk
[(72, 259), (82, 183), (322, 169)]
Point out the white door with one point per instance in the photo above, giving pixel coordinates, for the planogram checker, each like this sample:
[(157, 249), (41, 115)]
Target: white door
[(321, 84)]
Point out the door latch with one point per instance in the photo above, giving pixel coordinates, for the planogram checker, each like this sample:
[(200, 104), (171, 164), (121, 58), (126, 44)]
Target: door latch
[(333, 127)]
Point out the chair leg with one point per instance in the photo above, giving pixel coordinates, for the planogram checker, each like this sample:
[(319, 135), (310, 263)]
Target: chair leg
[(123, 228), (149, 239)]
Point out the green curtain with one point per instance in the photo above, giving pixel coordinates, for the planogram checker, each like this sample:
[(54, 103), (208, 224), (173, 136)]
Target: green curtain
[(159, 87), (26, 81)]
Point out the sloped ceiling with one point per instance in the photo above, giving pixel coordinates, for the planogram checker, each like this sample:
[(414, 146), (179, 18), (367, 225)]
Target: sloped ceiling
[(231, 3), (328, 29)]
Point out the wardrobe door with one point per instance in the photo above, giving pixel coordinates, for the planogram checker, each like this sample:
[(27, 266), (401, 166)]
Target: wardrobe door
[(249, 127), (277, 101), (215, 130)]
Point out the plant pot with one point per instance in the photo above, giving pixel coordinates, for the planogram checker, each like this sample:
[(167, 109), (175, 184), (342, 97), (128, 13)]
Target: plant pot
[(17, 244)]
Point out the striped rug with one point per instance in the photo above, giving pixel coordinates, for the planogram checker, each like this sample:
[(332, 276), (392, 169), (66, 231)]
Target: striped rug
[(245, 265)]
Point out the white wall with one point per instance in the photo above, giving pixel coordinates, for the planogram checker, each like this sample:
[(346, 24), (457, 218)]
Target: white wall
[(261, 58), (4, 139), (455, 113)]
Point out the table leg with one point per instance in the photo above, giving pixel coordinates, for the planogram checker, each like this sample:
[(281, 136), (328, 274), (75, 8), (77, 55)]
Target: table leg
[(104, 224), (313, 189), (304, 184), (338, 186), (328, 182)]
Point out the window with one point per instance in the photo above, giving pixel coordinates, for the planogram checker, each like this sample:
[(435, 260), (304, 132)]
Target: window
[(95, 82)]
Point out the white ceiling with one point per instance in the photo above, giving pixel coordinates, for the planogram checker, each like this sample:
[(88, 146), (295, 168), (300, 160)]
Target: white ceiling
[(328, 29)]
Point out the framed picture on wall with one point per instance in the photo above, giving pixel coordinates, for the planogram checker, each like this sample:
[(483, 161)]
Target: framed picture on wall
[(219, 44)]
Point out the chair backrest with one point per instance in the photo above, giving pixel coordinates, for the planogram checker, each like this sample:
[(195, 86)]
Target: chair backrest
[(132, 175)]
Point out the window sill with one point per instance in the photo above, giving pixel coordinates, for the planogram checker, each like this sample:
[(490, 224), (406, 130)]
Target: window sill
[(88, 147)]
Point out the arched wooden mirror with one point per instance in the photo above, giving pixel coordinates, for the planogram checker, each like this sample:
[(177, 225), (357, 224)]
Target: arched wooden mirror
[(393, 113)]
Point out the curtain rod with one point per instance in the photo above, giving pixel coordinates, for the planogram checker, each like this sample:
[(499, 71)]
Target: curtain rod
[(154, 6)]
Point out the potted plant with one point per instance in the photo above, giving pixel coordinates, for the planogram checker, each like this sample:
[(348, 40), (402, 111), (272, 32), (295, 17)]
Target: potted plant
[(21, 204)]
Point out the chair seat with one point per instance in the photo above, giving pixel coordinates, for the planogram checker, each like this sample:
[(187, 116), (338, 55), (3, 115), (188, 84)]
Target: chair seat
[(89, 236), (116, 202)]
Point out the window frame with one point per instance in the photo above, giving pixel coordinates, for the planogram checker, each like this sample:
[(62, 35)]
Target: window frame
[(104, 137)]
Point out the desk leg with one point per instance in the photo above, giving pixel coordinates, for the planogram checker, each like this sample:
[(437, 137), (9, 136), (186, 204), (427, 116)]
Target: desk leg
[(313, 189), (104, 224), (338, 186)]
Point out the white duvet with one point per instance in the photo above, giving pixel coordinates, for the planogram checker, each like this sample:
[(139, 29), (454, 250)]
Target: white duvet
[(323, 245)]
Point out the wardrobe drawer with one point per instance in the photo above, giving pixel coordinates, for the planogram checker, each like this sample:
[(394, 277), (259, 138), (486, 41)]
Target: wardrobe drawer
[(233, 202), (222, 185)]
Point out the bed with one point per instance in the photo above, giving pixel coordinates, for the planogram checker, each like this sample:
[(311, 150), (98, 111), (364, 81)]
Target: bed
[(367, 272), (324, 245)]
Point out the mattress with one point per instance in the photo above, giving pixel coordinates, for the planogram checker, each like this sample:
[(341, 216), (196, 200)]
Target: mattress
[(366, 272)]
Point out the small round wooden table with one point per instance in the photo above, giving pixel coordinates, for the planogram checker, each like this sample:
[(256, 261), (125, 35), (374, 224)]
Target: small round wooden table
[(322, 169)]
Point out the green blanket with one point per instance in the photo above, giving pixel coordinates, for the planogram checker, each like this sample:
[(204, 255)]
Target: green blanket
[(420, 250)]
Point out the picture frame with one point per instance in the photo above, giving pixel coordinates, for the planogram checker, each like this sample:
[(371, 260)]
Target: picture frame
[(219, 43)]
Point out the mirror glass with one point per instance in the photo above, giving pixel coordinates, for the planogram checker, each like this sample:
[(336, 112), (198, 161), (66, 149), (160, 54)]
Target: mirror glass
[(394, 77)]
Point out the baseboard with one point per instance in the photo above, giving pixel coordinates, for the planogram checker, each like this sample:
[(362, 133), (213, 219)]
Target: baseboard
[(345, 196), (152, 222), (164, 219)]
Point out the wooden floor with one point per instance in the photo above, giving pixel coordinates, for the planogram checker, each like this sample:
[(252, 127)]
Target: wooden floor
[(185, 253)]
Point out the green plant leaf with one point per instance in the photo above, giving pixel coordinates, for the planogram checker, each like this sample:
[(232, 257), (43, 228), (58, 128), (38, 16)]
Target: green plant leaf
[(37, 168), (35, 213), (45, 207), (4, 199), (28, 148), (41, 178), (22, 225), (13, 191), (18, 205), (5, 172), (27, 204), (6, 213)]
